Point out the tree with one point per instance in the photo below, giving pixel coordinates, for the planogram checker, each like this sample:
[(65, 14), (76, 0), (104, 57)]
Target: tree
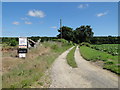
[(67, 33), (83, 33), (80, 34)]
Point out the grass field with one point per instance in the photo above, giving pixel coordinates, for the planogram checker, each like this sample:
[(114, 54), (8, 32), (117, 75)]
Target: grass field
[(71, 59), (110, 62), (22, 73)]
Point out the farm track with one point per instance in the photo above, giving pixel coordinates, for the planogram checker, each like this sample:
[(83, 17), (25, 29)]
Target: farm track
[(85, 76)]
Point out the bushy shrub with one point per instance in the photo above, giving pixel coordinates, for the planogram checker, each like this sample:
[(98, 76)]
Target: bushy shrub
[(65, 42), (13, 42), (10, 41), (109, 62), (85, 44), (60, 40)]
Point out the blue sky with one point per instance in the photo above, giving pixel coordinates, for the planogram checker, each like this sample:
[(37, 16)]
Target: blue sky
[(60, 0), (42, 18), (0, 19)]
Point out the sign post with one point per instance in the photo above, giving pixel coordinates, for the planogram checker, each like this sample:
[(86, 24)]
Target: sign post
[(22, 47)]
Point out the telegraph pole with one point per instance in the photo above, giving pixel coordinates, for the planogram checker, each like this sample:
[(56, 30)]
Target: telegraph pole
[(61, 27)]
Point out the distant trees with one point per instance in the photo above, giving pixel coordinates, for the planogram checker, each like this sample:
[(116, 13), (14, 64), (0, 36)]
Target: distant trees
[(105, 40), (10, 41), (36, 38), (80, 34)]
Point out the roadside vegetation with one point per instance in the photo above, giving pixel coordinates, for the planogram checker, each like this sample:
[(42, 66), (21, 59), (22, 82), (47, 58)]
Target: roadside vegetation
[(9, 41), (22, 73), (71, 59), (110, 60)]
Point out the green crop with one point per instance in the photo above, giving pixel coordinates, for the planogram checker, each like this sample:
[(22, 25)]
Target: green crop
[(109, 48)]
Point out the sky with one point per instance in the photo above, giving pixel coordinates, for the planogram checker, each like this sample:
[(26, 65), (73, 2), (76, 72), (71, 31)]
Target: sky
[(43, 18), (60, 0), (0, 19)]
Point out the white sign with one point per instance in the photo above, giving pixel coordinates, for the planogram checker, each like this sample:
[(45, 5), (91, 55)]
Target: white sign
[(23, 42), (22, 55), (22, 45)]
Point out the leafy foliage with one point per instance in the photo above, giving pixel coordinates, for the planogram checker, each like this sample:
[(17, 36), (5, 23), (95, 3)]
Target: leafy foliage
[(13, 43), (85, 44), (80, 34), (10, 41), (66, 33), (109, 48), (83, 34)]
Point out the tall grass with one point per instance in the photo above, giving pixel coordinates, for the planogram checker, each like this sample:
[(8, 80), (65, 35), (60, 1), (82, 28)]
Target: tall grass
[(31, 70)]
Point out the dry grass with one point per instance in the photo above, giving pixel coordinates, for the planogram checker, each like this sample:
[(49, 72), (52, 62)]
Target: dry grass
[(22, 73), (9, 59)]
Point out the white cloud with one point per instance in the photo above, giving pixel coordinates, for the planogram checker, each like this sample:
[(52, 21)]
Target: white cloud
[(102, 14), (54, 27), (16, 23), (26, 22), (83, 6), (25, 18), (36, 13)]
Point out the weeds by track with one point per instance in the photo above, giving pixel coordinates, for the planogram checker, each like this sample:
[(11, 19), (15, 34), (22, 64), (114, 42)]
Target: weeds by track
[(71, 59)]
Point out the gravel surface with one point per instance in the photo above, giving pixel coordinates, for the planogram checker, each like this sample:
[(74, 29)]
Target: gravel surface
[(86, 75)]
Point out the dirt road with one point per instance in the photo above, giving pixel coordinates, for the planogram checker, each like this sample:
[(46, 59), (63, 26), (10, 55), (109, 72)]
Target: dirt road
[(85, 76)]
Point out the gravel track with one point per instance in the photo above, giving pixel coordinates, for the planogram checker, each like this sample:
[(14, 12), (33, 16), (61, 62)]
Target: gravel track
[(86, 75)]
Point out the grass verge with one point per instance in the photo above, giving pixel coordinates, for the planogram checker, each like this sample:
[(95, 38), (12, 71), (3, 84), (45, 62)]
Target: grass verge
[(32, 69), (71, 59), (110, 62)]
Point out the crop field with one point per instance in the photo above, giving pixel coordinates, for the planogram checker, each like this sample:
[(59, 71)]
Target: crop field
[(109, 48)]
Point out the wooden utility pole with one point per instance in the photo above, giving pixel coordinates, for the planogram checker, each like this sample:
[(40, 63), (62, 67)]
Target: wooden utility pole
[(61, 27)]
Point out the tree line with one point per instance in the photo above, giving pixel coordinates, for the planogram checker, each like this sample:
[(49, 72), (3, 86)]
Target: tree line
[(85, 34), (105, 40), (79, 35), (13, 41)]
